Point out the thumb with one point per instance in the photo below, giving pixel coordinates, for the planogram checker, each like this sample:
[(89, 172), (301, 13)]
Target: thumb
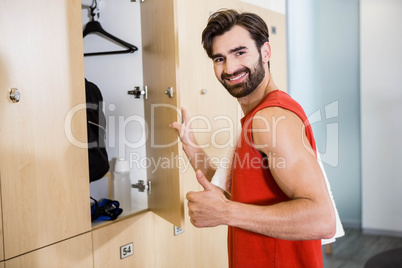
[(203, 181)]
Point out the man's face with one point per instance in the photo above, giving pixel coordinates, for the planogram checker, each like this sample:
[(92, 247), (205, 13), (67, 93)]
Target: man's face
[(237, 62)]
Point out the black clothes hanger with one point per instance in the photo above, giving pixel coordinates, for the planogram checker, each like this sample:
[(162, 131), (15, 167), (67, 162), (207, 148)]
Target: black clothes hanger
[(95, 27)]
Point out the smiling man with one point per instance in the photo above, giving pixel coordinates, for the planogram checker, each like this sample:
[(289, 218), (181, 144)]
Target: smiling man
[(243, 81), (277, 214)]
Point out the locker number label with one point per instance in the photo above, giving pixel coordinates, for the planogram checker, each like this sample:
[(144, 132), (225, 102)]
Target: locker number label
[(126, 251)]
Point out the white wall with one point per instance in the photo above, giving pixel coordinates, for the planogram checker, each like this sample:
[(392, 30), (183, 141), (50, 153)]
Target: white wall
[(381, 108), (323, 74)]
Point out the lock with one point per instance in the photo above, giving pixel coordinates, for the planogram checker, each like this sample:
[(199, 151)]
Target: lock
[(15, 95), (169, 92)]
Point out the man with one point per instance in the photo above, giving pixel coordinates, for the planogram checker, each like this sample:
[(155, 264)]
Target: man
[(280, 208)]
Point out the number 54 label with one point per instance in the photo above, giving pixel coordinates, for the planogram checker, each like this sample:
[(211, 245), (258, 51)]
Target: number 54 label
[(126, 250)]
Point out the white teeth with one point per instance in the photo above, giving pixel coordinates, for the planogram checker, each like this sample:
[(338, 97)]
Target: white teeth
[(237, 77)]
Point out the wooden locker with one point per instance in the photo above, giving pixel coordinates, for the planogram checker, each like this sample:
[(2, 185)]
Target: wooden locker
[(43, 165)]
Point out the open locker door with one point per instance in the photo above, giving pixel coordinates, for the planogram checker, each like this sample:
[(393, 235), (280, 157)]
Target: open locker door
[(160, 58)]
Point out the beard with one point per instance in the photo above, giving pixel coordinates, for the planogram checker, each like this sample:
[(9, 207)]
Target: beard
[(244, 88)]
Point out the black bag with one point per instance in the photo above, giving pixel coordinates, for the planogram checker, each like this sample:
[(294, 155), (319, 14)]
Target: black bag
[(96, 127)]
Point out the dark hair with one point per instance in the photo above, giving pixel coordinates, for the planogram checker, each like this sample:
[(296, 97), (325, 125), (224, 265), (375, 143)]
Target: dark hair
[(223, 20)]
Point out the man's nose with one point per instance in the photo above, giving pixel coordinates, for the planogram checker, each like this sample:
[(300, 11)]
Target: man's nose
[(231, 65)]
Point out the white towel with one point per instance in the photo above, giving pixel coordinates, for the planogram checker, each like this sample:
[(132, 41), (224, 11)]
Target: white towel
[(222, 179), (339, 228)]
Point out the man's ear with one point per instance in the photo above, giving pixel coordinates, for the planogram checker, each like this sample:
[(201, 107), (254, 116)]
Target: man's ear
[(266, 52)]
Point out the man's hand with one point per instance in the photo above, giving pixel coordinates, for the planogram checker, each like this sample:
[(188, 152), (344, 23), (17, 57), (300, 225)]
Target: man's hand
[(197, 156), (185, 134), (209, 207)]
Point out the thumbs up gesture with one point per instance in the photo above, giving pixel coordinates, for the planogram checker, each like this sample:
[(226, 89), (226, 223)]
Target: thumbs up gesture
[(207, 208)]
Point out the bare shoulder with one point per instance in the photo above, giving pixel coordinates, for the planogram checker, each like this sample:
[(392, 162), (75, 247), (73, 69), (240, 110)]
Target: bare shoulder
[(277, 128)]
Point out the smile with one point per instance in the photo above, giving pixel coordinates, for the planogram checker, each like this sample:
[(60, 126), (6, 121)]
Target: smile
[(237, 77)]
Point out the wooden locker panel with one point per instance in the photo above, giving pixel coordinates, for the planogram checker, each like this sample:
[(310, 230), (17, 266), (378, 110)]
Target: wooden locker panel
[(159, 39), (138, 230), (71, 253), (184, 249), (1, 235), (44, 175)]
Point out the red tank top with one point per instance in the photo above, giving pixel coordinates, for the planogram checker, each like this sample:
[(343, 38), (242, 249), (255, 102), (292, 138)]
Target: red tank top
[(252, 183)]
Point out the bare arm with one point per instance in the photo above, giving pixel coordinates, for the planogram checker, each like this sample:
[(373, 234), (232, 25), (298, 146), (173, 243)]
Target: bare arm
[(309, 213), (198, 157)]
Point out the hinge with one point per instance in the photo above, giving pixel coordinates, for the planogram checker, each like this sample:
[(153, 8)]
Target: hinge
[(141, 186), (137, 92)]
